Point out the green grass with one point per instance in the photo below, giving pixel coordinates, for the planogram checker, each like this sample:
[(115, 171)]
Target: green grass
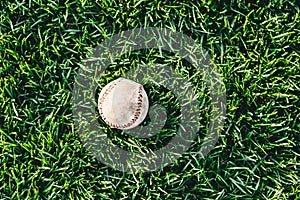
[(254, 45)]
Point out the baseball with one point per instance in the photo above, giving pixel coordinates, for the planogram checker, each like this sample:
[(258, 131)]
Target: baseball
[(123, 104)]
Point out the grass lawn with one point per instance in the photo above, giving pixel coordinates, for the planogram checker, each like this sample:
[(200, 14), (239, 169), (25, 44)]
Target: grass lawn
[(255, 46)]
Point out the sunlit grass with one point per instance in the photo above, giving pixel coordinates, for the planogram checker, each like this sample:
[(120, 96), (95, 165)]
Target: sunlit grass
[(254, 46)]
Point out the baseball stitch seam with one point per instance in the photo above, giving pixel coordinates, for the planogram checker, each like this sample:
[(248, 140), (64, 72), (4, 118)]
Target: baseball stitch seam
[(137, 111), (106, 92)]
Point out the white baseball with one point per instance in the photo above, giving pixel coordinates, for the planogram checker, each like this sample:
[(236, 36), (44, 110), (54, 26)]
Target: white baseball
[(123, 104)]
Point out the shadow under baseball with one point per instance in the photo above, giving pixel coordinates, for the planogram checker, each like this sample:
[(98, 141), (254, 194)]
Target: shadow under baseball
[(157, 129)]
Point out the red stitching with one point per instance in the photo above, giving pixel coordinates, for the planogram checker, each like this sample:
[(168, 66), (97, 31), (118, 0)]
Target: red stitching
[(137, 111), (106, 92)]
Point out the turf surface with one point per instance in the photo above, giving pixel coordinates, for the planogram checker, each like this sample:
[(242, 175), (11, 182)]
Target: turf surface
[(254, 45)]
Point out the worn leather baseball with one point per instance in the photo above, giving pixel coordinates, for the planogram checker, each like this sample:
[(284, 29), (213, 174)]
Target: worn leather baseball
[(123, 104)]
